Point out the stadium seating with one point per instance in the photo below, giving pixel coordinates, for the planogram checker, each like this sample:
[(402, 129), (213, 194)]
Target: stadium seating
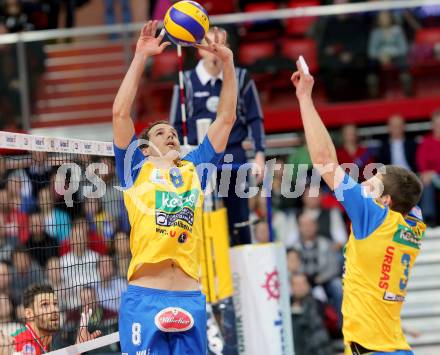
[(293, 48), (215, 7), (250, 53), (298, 26)]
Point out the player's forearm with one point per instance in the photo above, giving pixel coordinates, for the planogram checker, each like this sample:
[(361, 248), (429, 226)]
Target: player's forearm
[(320, 145), (128, 89), (227, 107)]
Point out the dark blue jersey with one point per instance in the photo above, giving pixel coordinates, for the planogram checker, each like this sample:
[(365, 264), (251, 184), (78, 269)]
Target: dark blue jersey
[(202, 96)]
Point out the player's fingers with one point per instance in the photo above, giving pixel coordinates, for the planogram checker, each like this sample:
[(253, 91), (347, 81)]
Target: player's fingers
[(161, 35), (96, 334), (154, 28), (148, 29), (216, 35), (208, 40), (223, 37), (295, 77), (299, 67), (164, 45), (144, 30)]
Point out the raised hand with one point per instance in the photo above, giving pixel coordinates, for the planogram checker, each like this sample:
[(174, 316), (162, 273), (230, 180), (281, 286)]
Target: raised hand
[(148, 44), (83, 332), (218, 46), (302, 82)]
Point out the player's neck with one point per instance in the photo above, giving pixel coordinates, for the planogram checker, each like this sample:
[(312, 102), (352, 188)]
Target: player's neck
[(161, 162)]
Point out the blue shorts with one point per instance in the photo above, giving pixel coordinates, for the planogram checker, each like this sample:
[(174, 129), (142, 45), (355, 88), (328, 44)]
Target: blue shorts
[(160, 322)]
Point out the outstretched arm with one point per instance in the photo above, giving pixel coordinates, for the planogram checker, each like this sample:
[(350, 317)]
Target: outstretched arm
[(321, 148), (148, 45), (218, 132)]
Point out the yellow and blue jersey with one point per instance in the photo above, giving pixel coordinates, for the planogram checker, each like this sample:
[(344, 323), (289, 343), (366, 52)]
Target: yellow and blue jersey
[(379, 255), (165, 206)]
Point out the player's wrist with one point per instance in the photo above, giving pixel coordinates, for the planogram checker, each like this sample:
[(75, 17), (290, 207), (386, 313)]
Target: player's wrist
[(141, 56)]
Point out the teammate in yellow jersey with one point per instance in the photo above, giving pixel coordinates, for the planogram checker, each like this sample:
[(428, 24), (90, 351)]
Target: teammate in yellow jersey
[(163, 311), (385, 238)]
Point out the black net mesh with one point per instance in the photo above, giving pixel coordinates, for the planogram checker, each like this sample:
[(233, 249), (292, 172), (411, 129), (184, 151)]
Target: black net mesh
[(63, 227)]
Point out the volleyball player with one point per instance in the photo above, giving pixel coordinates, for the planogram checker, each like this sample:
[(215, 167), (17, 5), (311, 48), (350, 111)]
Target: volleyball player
[(385, 238), (163, 311), (43, 321)]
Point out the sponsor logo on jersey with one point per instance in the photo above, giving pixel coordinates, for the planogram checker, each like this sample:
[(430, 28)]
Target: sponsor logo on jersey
[(389, 296), (386, 267), (173, 208), (406, 236), (174, 319), (28, 349)]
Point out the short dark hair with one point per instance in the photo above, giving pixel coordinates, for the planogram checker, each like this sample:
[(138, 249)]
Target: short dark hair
[(404, 187), (34, 290), (145, 133)]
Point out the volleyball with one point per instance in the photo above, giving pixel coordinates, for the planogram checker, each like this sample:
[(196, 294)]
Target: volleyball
[(186, 23)]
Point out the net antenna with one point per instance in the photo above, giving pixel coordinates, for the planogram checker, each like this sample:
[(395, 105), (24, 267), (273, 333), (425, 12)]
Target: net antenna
[(182, 95)]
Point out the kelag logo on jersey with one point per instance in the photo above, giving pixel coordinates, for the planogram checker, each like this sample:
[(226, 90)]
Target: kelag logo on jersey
[(406, 236), (172, 207)]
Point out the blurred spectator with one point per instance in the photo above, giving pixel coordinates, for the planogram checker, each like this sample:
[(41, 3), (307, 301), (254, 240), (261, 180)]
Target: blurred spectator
[(261, 233), (351, 151), (79, 265), (321, 262), (112, 201), (398, 149), (7, 323), (16, 226), (25, 271), (330, 221), (294, 264), (95, 242), (111, 286), (102, 320), (19, 187), (428, 163), (53, 275), (99, 221), (6, 246), (5, 278), (309, 333), (40, 245), (110, 11), (388, 48), (282, 183), (122, 253), (3, 172), (14, 17), (299, 161), (39, 171), (56, 221), (342, 56)]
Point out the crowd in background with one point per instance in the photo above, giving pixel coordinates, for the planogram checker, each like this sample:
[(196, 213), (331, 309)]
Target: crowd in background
[(84, 251)]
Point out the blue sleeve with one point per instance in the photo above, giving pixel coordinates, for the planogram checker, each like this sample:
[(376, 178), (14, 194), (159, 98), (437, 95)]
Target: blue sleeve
[(365, 213), (203, 156), (128, 171)]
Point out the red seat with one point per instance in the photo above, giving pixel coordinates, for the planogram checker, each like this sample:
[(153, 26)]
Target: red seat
[(293, 48), (165, 65), (250, 53), (215, 7), (298, 26), (260, 6), (429, 36)]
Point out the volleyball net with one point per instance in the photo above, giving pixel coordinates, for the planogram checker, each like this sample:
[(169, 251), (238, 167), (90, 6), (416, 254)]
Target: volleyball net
[(63, 224)]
